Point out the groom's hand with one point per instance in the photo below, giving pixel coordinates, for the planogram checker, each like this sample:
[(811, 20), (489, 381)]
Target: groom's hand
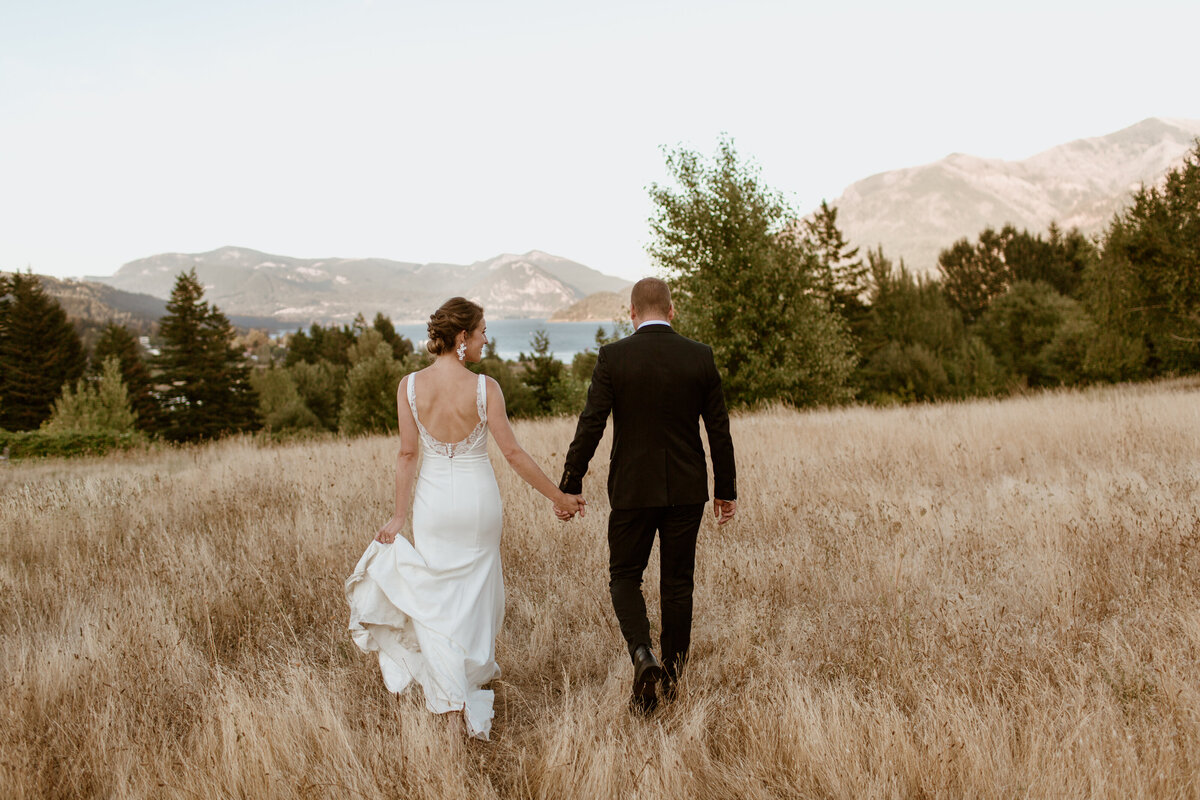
[(724, 510), (577, 504)]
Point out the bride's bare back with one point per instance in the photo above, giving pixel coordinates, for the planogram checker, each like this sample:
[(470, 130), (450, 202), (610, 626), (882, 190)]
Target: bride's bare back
[(446, 402)]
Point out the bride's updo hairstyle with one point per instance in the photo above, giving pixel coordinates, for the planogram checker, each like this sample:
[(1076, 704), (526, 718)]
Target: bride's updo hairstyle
[(456, 314)]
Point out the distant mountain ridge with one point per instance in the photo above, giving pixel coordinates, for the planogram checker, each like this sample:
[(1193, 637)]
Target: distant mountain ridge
[(248, 282), (597, 307), (92, 305), (916, 212)]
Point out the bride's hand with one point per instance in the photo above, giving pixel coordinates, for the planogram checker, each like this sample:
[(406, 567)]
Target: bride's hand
[(387, 534), (569, 505)]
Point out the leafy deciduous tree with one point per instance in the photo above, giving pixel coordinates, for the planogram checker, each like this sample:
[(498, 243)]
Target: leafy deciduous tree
[(1019, 324), (94, 406), (742, 279), (370, 401), (118, 341), (280, 405)]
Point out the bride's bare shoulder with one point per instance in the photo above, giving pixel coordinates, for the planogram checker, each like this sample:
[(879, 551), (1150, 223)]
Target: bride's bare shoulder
[(492, 390)]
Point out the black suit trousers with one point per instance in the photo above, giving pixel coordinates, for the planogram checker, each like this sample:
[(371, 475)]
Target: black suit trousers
[(630, 538)]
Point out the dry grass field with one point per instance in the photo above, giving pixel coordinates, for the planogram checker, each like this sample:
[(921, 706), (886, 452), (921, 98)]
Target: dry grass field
[(989, 600)]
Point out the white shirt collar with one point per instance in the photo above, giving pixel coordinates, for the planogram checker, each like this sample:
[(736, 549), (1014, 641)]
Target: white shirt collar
[(653, 322)]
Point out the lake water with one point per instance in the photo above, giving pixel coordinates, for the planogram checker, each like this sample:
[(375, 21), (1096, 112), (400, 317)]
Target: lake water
[(512, 336)]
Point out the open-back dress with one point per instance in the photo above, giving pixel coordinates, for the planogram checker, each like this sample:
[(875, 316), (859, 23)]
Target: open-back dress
[(431, 609)]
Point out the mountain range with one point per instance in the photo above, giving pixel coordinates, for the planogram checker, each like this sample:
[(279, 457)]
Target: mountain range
[(915, 213), (297, 290), (912, 213)]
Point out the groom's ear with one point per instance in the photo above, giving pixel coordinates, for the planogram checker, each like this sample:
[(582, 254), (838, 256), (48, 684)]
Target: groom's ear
[(671, 312)]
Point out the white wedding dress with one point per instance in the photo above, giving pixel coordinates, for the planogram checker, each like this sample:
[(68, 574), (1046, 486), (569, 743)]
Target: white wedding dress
[(432, 609)]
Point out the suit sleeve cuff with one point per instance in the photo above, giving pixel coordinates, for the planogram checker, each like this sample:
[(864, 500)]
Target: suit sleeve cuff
[(571, 483)]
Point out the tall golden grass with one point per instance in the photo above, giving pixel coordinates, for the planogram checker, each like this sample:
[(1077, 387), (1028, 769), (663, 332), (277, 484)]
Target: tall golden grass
[(997, 599)]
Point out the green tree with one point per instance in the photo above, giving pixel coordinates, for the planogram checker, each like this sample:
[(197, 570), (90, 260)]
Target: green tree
[(1062, 261), (330, 344), (542, 370), (904, 373), (280, 405), (742, 279), (321, 387), (975, 274), (401, 346), (568, 394), (370, 401), (1019, 325), (973, 371), (841, 276), (94, 406), (40, 351), (209, 392), (1065, 357), (1146, 284), (907, 333), (119, 342), (906, 308), (518, 398)]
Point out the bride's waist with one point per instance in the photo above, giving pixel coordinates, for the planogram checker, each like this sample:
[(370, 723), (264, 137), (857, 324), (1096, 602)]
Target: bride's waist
[(440, 461)]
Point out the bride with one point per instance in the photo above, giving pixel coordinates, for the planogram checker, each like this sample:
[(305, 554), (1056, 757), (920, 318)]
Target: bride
[(431, 609)]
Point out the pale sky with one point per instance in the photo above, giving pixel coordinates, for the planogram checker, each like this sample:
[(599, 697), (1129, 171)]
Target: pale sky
[(454, 131)]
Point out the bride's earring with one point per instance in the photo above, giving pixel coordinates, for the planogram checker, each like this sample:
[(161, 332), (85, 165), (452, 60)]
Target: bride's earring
[(462, 351)]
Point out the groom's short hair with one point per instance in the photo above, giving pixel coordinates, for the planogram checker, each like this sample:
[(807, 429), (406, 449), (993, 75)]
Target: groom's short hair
[(650, 296)]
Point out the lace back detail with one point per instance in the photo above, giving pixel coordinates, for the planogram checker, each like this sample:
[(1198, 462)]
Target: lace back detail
[(457, 448)]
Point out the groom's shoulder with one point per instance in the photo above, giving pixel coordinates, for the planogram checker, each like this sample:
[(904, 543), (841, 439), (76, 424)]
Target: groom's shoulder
[(634, 342)]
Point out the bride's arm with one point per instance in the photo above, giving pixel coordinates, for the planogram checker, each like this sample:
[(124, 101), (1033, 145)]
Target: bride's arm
[(521, 462), (406, 466)]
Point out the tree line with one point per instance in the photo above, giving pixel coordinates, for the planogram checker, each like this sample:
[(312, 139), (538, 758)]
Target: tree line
[(797, 315), (205, 381), (794, 313)]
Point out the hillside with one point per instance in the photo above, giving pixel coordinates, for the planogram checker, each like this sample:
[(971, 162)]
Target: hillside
[(598, 307), (285, 289), (91, 305), (916, 212)]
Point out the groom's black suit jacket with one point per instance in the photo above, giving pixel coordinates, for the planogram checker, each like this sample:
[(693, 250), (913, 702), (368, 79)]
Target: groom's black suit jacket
[(658, 386)]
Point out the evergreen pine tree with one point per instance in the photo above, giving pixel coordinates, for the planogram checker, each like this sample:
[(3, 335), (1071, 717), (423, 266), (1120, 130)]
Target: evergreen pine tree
[(210, 392), (542, 370), (401, 347), (841, 276), (117, 340), (40, 351)]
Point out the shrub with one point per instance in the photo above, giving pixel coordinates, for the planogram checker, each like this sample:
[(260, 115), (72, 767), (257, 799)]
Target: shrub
[(41, 443), (92, 407)]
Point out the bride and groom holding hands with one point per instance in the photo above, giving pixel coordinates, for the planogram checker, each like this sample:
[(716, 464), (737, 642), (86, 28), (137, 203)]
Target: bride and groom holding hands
[(431, 609)]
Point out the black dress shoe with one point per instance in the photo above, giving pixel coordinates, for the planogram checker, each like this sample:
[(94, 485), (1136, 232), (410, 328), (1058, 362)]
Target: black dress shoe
[(647, 672)]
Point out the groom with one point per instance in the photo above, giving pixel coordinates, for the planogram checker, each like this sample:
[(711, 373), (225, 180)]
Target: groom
[(658, 386)]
